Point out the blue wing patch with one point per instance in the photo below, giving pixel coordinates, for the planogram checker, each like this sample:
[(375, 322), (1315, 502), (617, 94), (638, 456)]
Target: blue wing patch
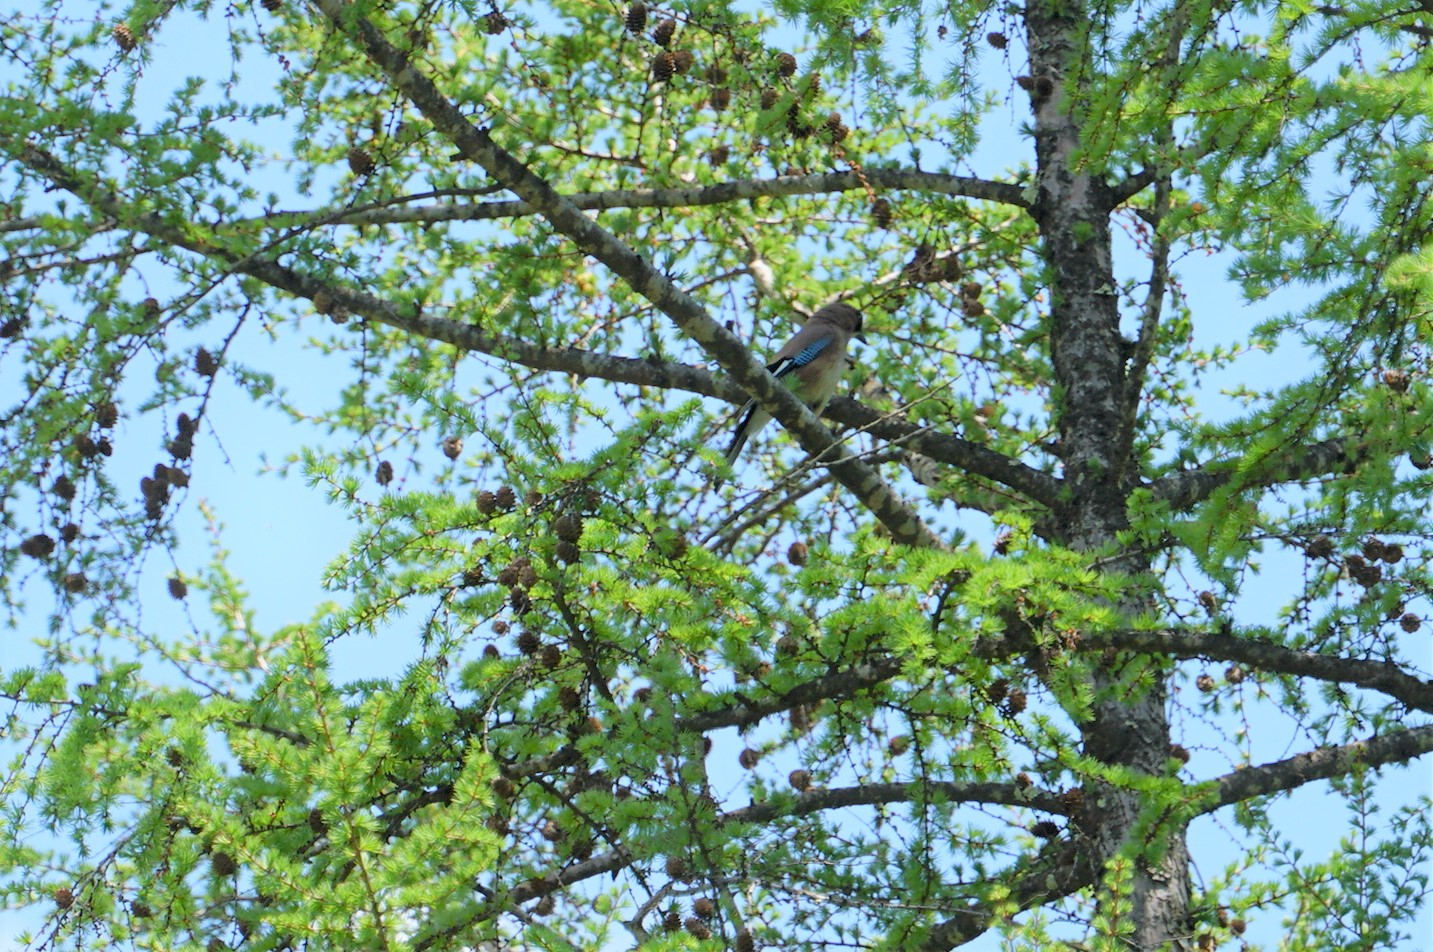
[(802, 358)]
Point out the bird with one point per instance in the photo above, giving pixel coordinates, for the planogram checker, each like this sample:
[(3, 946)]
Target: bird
[(811, 364)]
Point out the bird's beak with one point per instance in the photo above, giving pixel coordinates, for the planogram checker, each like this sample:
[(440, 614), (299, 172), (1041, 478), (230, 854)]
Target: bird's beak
[(862, 338)]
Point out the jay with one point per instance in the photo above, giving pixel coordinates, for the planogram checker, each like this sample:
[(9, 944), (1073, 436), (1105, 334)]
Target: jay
[(812, 364)]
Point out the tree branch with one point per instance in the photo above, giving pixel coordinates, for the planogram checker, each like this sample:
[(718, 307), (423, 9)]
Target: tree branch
[(1408, 689), (810, 802), (1059, 871), (1321, 764), (1389, 679), (1055, 873), (946, 448), (903, 522), (978, 460), (1185, 490), (747, 713), (1413, 692), (1142, 355), (814, 801), (1127, 188), (721, 193), (1417, 29)]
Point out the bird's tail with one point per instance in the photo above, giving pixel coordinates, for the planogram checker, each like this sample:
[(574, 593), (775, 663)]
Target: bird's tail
[(741, 434)]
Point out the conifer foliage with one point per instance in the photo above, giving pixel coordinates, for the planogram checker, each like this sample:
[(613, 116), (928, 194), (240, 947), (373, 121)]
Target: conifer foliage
[(1102, 554)]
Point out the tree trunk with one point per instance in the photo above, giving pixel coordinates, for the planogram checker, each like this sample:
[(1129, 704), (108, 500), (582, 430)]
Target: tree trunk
[(1073, 211)]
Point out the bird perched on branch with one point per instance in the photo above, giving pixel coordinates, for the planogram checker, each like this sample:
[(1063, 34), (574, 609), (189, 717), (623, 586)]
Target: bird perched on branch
[(811, 365)]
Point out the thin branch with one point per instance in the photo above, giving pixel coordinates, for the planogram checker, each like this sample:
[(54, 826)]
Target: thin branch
[(612, 862), (760, 511), (744, 713), (747, 712), (1054, 874), (293, 737), (1417, 29), (1144, 345), (723, 193), (814, 801), (1122, 191), (564, 756)]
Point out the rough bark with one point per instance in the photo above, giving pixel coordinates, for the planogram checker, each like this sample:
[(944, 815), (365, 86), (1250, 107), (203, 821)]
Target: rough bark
[(1073, 213)]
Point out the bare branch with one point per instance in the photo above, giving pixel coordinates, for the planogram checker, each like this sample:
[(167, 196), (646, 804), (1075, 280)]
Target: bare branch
[(1322, 764)]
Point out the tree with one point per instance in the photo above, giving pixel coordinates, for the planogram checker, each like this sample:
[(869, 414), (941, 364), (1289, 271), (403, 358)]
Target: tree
[(928, 678)]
